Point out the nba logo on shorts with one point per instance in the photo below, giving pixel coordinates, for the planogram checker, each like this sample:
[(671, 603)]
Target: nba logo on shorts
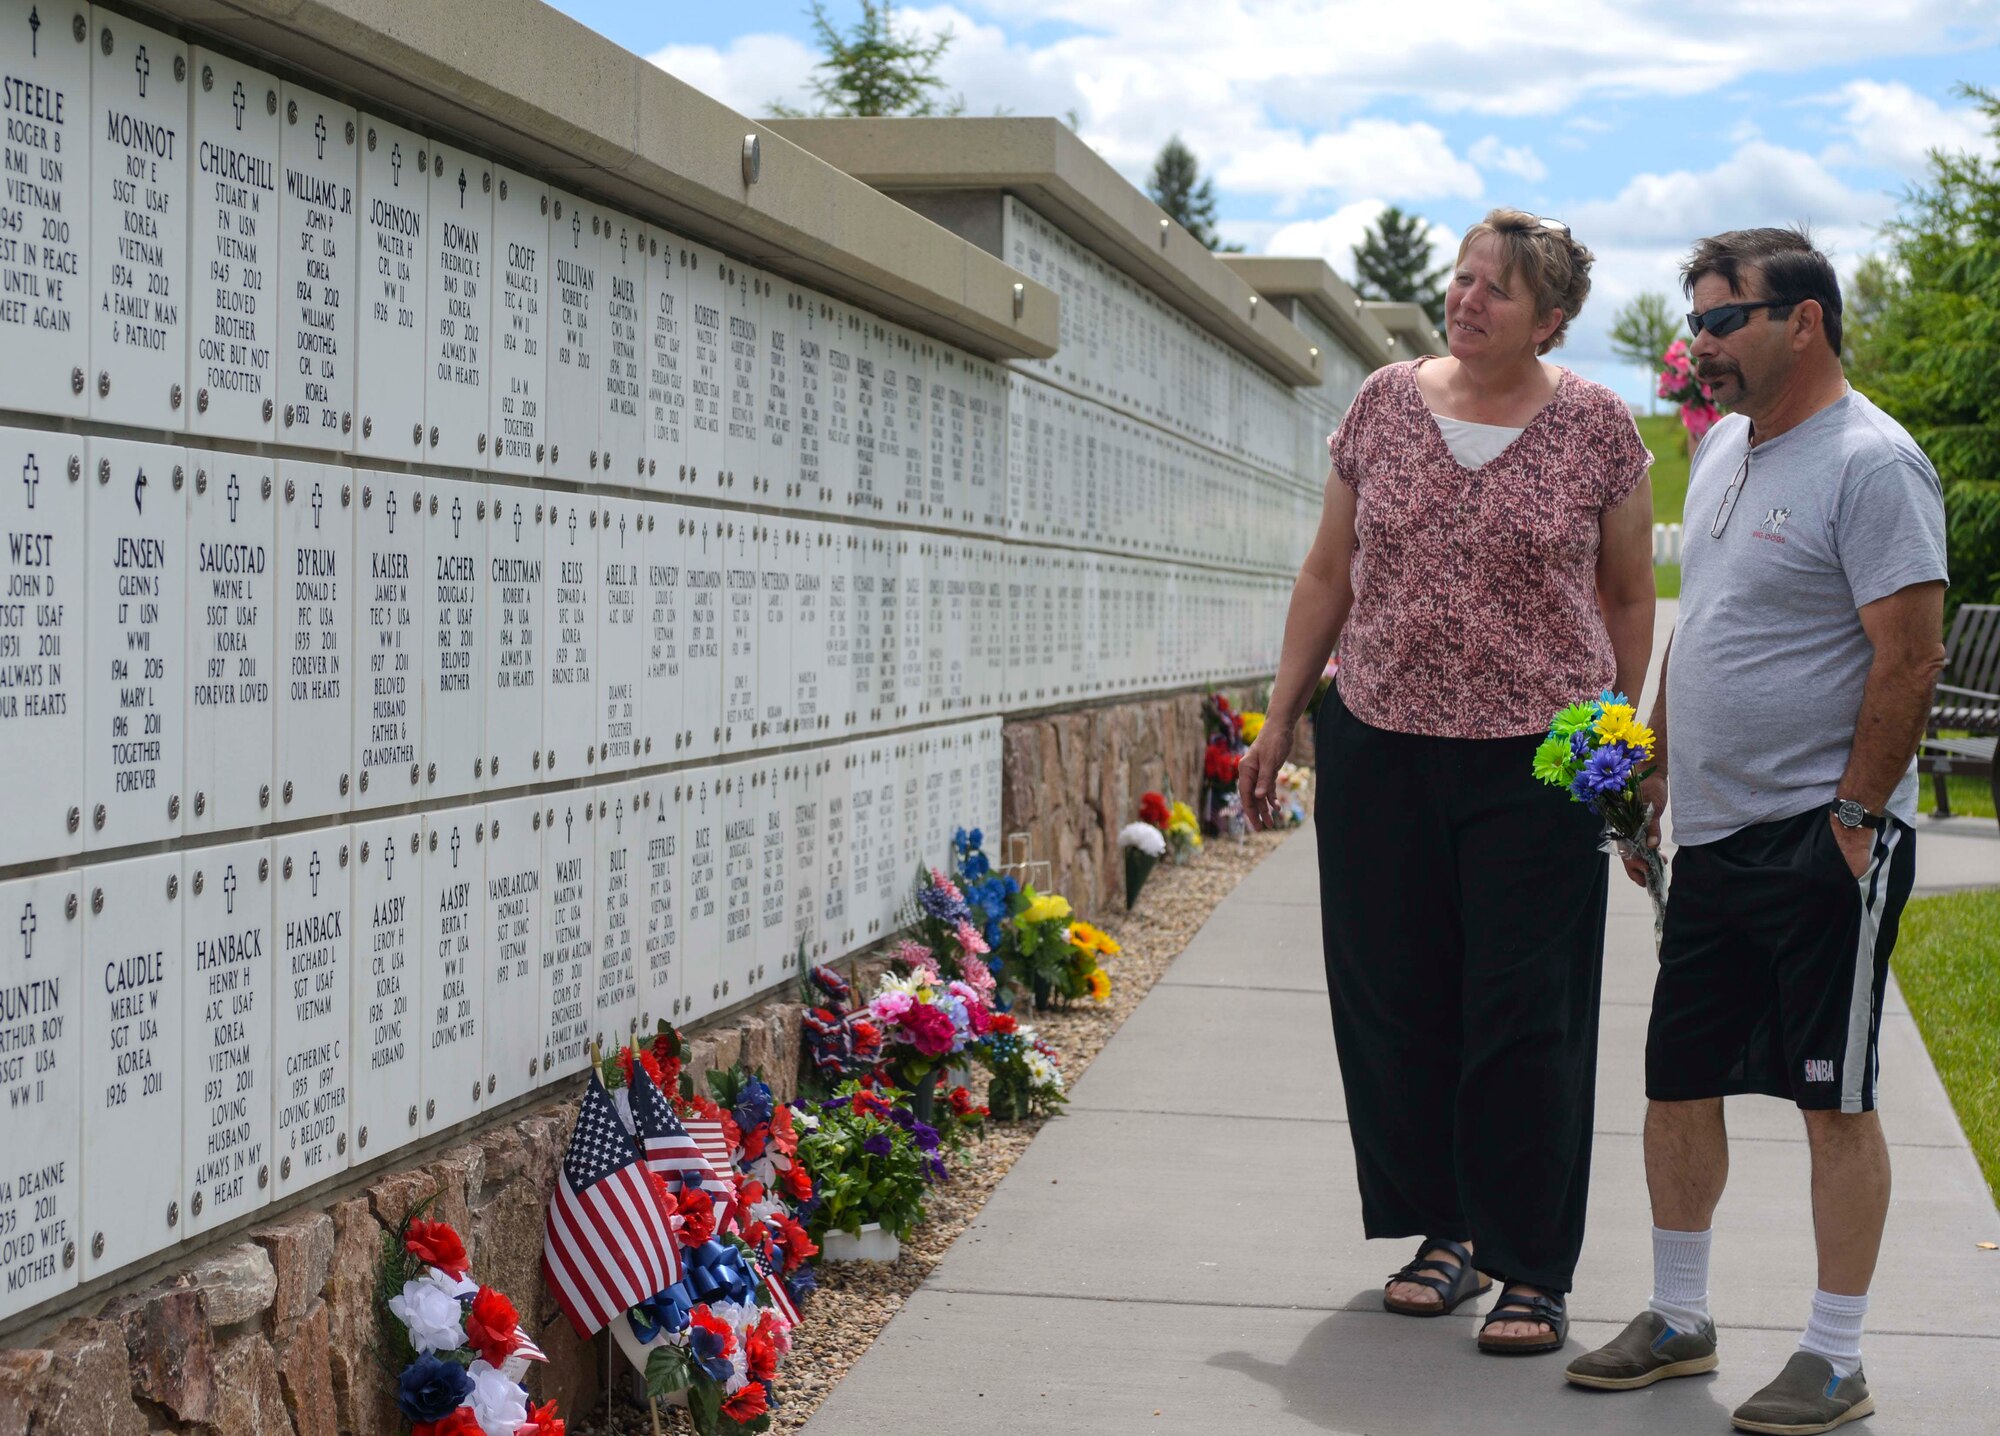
[(1819, 1069)]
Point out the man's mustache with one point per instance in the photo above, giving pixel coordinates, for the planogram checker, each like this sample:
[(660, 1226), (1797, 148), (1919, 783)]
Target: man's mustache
[(1709, 373)]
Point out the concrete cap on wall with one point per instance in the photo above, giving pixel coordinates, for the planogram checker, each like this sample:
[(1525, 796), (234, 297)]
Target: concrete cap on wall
[(1309, 281), (1409, 325), (536, 89)]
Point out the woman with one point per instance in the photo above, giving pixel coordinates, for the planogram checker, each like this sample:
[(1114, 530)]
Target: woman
[(1483, 559)]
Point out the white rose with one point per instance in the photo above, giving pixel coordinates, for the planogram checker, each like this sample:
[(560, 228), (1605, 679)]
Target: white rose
[(433, 1315), (499, 1404)]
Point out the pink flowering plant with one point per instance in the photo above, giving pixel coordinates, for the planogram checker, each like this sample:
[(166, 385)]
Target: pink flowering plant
[(926, 1018), (1678, 384), (942, 923)]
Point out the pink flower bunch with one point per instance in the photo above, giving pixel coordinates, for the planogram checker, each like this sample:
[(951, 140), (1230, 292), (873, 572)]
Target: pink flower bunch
[(928, 1029), (971, 942), (945, 885)]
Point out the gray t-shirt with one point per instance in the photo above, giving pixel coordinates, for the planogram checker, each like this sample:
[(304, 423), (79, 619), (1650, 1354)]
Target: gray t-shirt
[(1769, 657)]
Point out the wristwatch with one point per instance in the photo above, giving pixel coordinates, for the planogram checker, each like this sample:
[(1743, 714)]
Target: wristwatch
[(1850, 814)]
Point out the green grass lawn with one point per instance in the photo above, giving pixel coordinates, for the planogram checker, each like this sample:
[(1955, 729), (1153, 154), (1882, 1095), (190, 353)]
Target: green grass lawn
[(1668, 441), (1947, 961), (1970, 797)]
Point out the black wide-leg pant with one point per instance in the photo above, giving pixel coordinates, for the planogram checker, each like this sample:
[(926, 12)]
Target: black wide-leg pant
[(1462, 905)]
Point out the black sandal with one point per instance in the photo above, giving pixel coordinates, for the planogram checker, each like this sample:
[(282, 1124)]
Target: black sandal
[(1454, 1285), (1524, 1306)]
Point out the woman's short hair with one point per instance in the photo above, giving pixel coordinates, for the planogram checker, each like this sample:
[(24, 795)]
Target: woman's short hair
[(1555, 267)]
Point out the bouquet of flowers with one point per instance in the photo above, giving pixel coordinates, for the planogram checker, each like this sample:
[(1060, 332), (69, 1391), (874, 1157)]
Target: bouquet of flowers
[(1221, 808), (840, 1041), (1058, 952), (989, 895), (1679, 385), (1027, 1077), (1293, 781), (1143, 845), (941, 923), (871, 1160), (926, 1019), (1251, 725), (459, 1344), (1183, 831), (1600, 752)]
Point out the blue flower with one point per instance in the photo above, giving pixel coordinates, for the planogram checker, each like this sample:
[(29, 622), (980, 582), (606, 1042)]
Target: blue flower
[(940, 904), (927, 1137), (431, 1389), (801, 1283), (1605, 773), (706, 1348), (935, 1168), (1579, 744), (879, 1144), (978, 837), (754, 1105)]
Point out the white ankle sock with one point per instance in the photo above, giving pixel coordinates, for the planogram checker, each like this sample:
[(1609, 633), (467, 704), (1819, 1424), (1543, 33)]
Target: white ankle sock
[(1834, 1331), (1680, 1278)]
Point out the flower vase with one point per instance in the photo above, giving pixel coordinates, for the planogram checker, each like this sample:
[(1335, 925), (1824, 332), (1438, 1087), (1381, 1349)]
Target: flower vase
[(1006, 1100), (923, 1098), (871, 1244), (1042, 993)]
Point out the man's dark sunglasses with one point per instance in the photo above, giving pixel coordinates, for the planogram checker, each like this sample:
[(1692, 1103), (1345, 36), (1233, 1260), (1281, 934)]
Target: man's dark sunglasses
[(1726, 319)]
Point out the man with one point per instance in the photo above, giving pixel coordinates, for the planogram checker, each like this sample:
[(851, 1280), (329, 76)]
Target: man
[(1795, 692)]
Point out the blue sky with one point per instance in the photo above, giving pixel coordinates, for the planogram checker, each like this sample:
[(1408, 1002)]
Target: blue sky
[(1643, 125)]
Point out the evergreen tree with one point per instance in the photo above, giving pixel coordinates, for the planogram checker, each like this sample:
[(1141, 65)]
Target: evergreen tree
[(873, 69), (1640, 334), (1178, 188), (1927, 345), (1393, 261)]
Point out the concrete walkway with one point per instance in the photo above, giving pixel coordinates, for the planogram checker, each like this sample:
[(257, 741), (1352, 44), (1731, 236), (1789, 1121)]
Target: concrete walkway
[(1181, 1252)]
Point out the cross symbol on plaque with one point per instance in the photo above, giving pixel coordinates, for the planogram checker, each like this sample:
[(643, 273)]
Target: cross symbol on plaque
[(312, 871), (517, 523), (621, 531), (28, 926), (234, 492), (139, 492), (238, 100), (229, 888), (572, 528), (396, 165), (31, 475), (391, 510), (569, 824), (454, 846), (319, 135), (621, 244), (461, 189), (318, 499), (34, 32), (456, 514), (144, 67), (389, 859), (620, 816)]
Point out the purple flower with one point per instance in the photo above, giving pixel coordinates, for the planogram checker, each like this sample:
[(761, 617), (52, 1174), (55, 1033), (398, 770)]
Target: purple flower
[(935, 1167), (927, 1137), (1579, 743), (706, 1348), (879, 1144), (1605, 773), (940, 904)]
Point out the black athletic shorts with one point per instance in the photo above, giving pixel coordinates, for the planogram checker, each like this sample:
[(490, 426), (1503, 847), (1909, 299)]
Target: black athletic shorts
[(1773, 963)]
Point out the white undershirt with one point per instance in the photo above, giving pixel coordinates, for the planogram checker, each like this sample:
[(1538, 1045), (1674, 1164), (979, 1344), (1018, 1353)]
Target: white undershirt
[(1475, 444)]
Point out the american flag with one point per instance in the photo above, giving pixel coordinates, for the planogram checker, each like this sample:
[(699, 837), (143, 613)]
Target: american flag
[(606, 1245), (667, 1145), (781, 1299), (708, 1136)]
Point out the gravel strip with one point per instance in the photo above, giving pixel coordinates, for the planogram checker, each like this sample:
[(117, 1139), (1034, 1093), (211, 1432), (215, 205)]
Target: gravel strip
[(856, 1299)]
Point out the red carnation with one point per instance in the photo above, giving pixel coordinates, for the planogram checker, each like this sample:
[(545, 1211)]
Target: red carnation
[(960, 1102), (436, 1244), (491, 1325), (929, 1030), (760, 1356), (542, 1421), (1002, 1024), (1153, 809), (754, 1140), (461, 1422), (867, 1037), (748, 1404), (799, 1182), (697, 1217), (796, 1241), (867, 1104)]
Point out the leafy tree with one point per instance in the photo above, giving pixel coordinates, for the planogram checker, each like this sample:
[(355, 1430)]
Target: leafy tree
[(1640, 334), (1393, 261), (874, 69), (1928, 347), (1178, 188)]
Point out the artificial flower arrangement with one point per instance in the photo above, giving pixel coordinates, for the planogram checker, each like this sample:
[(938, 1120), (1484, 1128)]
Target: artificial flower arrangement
[(989, 895), (1183, 831), (1679, 385), (1027, 1078), (459, 1345), (1143, 845), (841, 1039), (941, 923), (1055, 954), (926, 1019), (871, 1160), (1221, 808), (1251, 725), (1293, 781), (1601, 752)]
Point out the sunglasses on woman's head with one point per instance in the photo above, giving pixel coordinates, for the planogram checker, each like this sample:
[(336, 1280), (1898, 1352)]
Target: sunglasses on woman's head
[(1728, 318)]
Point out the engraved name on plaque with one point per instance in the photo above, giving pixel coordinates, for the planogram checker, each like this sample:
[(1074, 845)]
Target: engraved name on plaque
[(569, 933), (227, 1019), (621, 416), (387, 975), (912, 409), (869, 340), (620, 636), (391, 292), (912, 609), (707, 368), (230, 634), (865, 619), (513, 909), (453, 625), (42, 663), (316, 271), (769, 790), (45, 327), (313, 674), (233, 250), (138, 223), (801, 797), (41, 1025), (740, 622), (803, 555), (665, 619), (809, 378), (452, 1025), (313, 985), (774, 633), (840, 334), (701, 654), (620, 843), (136, 633), (388, 639), (702, 892), (569, 638), (739, 882), (666, 365), (515, 578), (576, 321), (742, 415), (865, 845), (778, 467), (833, 667), (458, 334), (659, 970), (892, 877), (836, 935), (133, 1026), (520, 322)]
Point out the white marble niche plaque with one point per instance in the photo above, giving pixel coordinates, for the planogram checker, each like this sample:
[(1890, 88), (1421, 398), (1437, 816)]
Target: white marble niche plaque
[(742, 593), (743, 390), (138, 222), (452, 992), (770, 800), (41, 1011), (659, 965), (317, 242), (777, 468), (871, 480), (832, 667), (913, 608), (866, 816), (702, 894), (808, 377), (663, 619), (455, 594), (576, 321), (569, 933), (803, 554), (620, 912), (739, 883), (516, 573), (387, 972), (513, 915), (836, 931), (520, 323), (312, 1053), (459, 309), (775, 607), (800, 796), (388, 639), (133, 1030), (234, 249), (231, 635), (313, 675), (892, 870), (570, 596), (666, 339), (707, 368), (621, 415), (136, 642), (840, 336), (621, 638), (42, 508), (704, 555), (392, 291)]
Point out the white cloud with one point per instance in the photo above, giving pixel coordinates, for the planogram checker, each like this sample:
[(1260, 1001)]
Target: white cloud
[(1333, 237), (749, 74), (1893, 126), (1759, 184), (1518, 160), (1366, 155)]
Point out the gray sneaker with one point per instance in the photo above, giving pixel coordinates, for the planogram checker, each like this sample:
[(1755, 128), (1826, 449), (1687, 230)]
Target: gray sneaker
[(1806, 1397), (1647, 1350)]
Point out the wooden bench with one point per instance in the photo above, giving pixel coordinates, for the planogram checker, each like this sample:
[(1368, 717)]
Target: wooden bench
[(1967, 704)]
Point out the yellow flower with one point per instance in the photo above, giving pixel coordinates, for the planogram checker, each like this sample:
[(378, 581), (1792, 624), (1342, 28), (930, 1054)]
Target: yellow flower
[(1048, 907), (1618, 725), (1182, 816), (1100, 984), (1090, 939), (1253, 724)]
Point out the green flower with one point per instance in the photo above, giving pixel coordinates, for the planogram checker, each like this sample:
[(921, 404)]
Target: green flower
[(1572, 719), (1553, 758)]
